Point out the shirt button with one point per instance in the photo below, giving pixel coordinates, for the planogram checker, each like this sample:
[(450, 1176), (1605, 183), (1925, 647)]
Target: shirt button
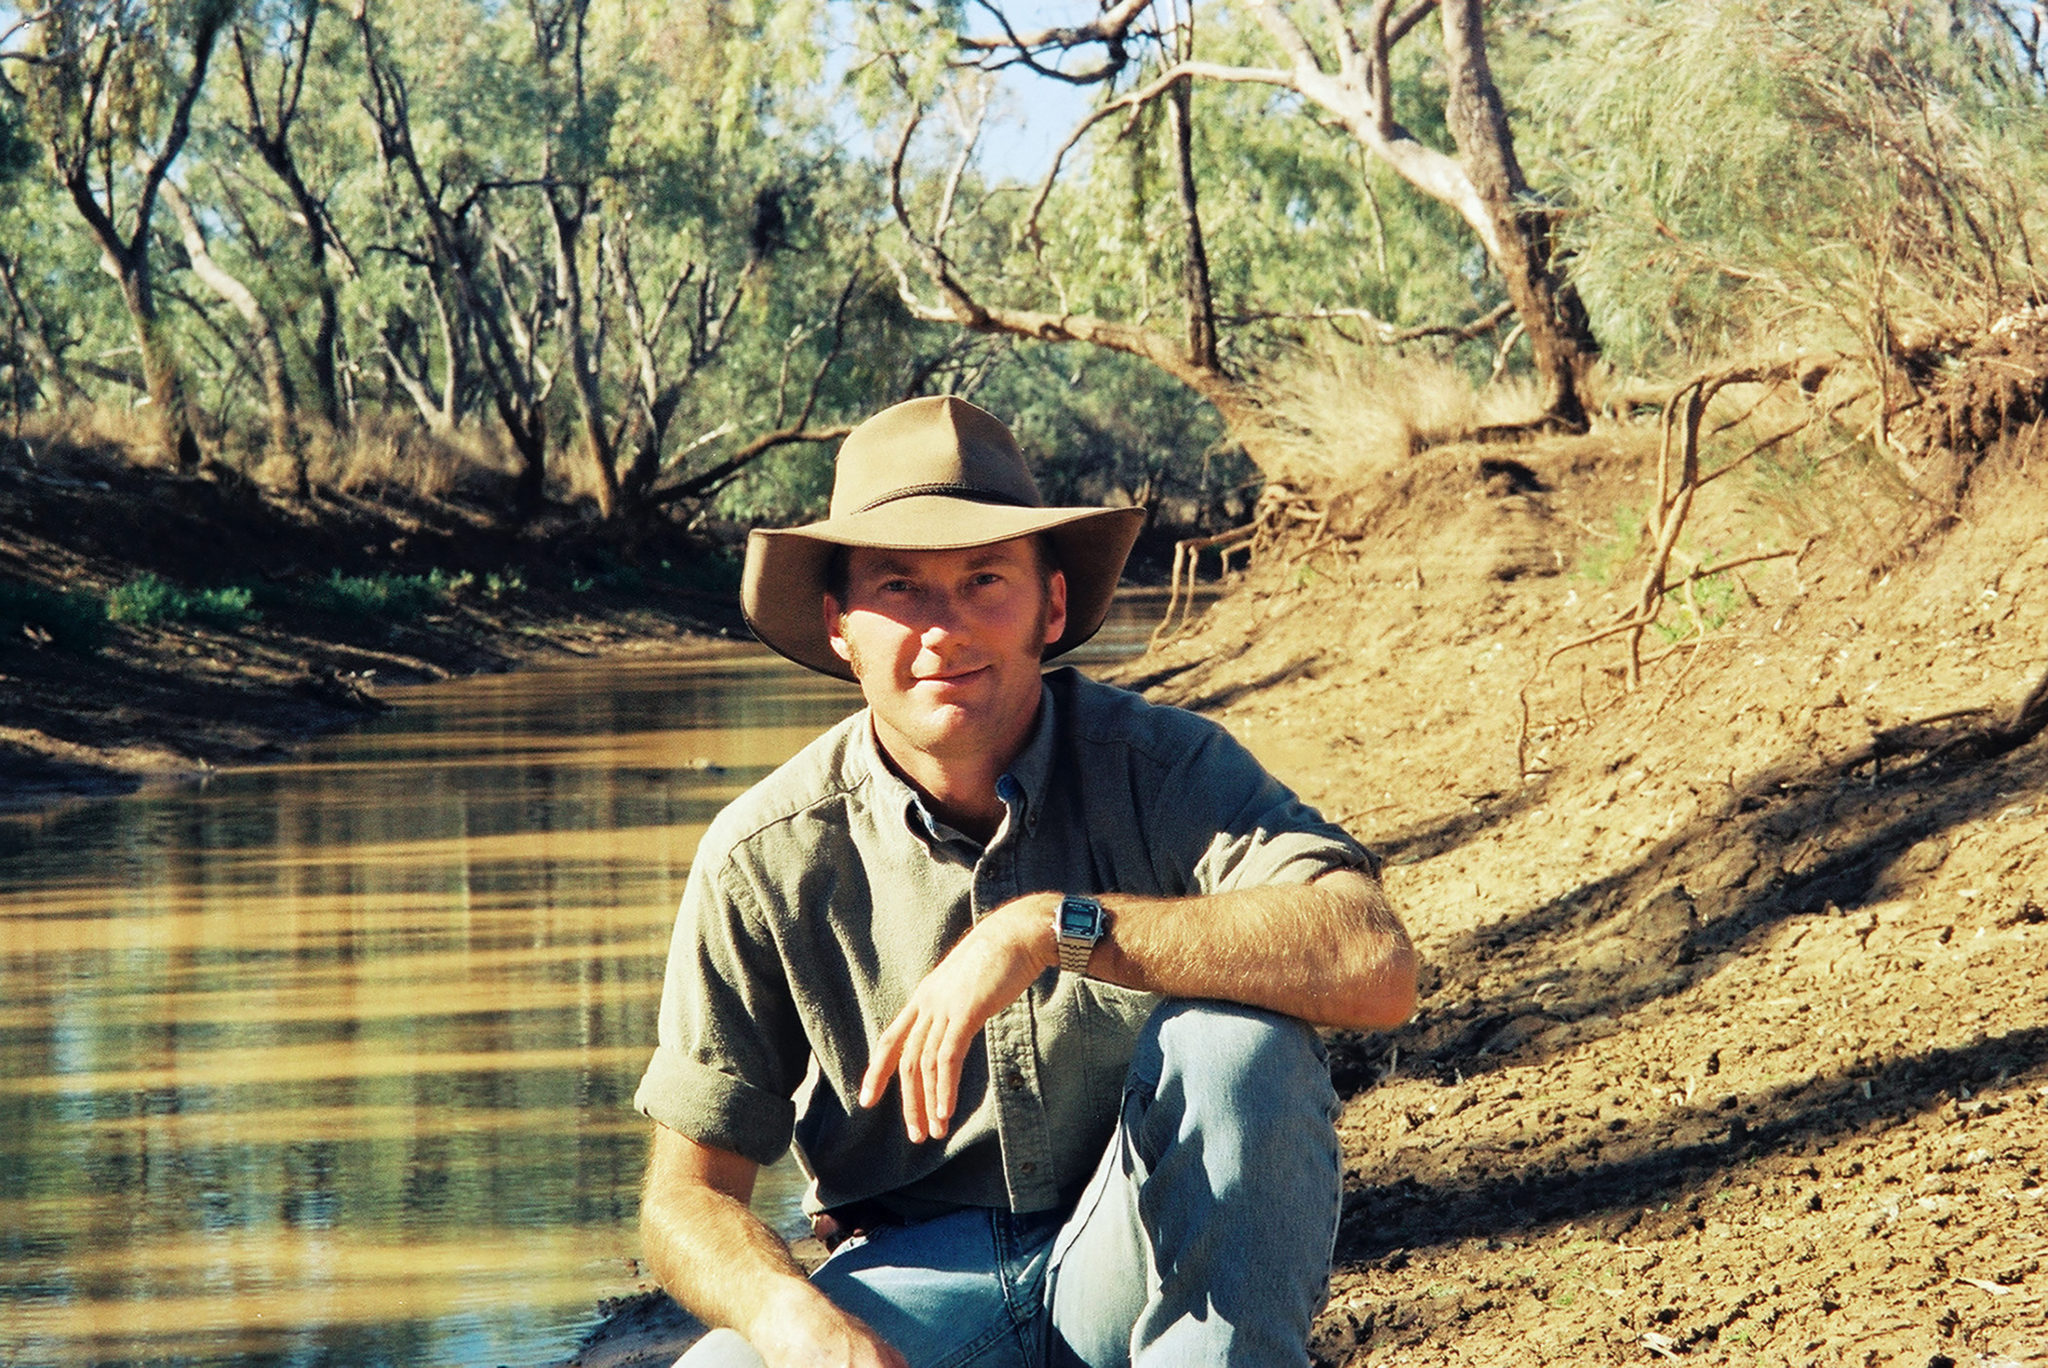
[(1027, 1167), (1013, 1080)]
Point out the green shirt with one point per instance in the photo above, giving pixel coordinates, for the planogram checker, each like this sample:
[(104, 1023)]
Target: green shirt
[(822, 896)]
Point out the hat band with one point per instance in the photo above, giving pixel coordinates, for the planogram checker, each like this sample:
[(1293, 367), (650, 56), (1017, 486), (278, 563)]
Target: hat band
[(957, 491)]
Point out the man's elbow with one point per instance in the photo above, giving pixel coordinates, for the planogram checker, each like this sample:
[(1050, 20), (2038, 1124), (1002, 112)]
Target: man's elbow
[(1378, 981), (1382, 994)]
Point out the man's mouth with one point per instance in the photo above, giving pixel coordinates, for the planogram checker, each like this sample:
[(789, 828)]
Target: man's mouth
[(952, 676)]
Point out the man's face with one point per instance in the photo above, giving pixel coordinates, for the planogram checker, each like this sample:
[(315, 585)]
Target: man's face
[(946, 645)]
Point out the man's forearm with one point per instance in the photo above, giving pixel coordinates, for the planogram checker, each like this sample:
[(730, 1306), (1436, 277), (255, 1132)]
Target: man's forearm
[(1332, 953), (718, 1259), (722, 1263)]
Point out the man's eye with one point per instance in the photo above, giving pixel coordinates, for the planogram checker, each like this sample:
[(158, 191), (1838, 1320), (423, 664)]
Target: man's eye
[(896, 586)]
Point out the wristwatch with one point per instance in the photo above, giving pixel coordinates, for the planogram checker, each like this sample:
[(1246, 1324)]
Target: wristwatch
[(1079, 923)]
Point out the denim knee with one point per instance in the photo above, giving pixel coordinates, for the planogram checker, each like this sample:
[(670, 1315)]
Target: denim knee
[(1242, 1065)]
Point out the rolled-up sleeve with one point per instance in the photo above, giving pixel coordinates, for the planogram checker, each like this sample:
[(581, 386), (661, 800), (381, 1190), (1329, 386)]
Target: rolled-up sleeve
[(1271, 837), (730, 1048)]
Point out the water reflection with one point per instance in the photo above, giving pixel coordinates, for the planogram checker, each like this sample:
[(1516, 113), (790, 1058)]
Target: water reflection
[(331, 1062)]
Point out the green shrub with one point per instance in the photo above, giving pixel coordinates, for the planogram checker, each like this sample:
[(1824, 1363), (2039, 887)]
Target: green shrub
[(74, 619), (385, 596), (147, 599), (229, 607), (150, 598)]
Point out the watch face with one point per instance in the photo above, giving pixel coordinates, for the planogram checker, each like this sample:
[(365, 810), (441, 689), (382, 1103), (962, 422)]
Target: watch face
[(1079, 917)]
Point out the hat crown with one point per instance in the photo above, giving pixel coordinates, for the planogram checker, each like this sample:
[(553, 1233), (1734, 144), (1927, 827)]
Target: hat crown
[(942, 445)]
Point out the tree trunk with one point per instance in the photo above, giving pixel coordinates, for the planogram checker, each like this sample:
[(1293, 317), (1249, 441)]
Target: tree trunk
[(280, 402), (327, 331), (1549, 308), (1195, 289), (34, 340), (170, 416), (597, 445)]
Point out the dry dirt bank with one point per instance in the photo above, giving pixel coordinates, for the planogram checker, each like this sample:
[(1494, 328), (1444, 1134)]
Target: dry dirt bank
[(172, 698), (1735, 1039)]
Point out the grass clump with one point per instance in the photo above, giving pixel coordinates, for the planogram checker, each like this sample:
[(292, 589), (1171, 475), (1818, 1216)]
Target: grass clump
[(1713, 601), (74, 619), (150, 598), (1604, 562), (377, 596)]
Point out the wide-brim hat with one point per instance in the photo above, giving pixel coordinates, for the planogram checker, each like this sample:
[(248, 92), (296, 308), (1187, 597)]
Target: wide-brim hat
[(928, 475)]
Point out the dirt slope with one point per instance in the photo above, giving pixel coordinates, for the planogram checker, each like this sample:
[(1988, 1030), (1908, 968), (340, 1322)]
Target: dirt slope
[(1732, 1049)]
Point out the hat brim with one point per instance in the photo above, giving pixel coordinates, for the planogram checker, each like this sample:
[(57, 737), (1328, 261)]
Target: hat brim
[(782, 588)]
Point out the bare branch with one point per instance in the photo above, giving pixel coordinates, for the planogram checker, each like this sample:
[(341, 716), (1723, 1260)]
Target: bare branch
[(709, 481), (1415, 14), (1385, 333), (1110, 26), (1111, 29), (969, 121)]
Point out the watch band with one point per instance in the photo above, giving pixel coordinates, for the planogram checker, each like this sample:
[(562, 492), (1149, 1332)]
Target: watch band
[(1078, 924)]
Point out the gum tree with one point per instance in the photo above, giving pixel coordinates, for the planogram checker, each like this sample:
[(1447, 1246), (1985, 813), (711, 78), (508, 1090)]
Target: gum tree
[(108, 88), (1330, 61)]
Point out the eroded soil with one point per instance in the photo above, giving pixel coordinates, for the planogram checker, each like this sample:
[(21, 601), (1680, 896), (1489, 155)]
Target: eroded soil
[(1735, 1042)]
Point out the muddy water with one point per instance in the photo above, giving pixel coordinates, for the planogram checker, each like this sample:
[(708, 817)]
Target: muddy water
[(331, 1062)]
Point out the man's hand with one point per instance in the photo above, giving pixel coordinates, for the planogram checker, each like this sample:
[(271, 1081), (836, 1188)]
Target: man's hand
[(928, 1041), (803, 1330)]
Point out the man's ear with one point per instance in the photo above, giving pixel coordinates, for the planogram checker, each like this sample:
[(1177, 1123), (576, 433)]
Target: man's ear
[(840, 646), (1055, 606)]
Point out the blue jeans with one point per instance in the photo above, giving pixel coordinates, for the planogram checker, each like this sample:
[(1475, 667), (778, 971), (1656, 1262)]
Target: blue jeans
[(1204, 1237)]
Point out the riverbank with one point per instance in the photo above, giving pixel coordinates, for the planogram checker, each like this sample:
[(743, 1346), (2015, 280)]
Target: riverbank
[(1733, 1037), (244, 622)]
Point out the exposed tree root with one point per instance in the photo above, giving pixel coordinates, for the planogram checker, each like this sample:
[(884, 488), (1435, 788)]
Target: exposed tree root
[(1935, 744), (1281, 509)]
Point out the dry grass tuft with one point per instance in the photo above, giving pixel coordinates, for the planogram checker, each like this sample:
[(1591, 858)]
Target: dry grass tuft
[(125, 435), (387, 455), (1334, 415)]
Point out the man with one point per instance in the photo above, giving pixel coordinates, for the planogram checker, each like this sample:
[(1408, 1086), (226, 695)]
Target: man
[(1026, 966)]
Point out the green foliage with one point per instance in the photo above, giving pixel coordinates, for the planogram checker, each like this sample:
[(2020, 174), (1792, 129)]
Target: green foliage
[(1606, 558), (149, 599), (1713, 600), (394, 597), (1839, 171), (1728, 174), (712, 573), (74, 619), (1099, 426)]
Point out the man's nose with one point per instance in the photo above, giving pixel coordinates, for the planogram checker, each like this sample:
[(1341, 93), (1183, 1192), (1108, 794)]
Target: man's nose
[(943, 620)]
